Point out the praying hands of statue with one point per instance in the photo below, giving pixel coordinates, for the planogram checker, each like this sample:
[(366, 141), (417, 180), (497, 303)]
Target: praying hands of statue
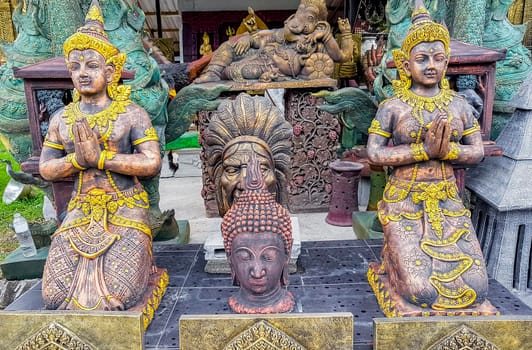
[(438, 137), (86, 144)]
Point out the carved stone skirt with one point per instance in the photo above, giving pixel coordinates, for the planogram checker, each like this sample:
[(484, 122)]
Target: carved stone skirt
[(431, 253), (100, 257)]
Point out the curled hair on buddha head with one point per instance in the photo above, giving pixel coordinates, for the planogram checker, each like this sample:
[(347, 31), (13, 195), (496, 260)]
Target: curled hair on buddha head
[(92, 36), (255, 120), (256, 211), (423, 29)]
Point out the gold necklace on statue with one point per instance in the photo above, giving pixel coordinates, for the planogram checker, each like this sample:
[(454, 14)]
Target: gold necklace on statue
[(419, 103), (104, 119)]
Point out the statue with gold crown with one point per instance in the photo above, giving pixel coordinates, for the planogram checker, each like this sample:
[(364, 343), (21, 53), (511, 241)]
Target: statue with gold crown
[(432, 263), (101, 255)]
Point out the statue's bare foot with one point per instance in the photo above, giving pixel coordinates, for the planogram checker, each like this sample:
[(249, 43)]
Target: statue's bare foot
[(207, 77)]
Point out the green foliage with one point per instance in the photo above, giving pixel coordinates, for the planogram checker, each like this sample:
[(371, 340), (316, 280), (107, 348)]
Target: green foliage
[(187, 140), (30, 208)]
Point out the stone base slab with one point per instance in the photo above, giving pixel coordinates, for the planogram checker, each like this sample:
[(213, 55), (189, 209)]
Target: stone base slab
[(18, 267), (215, 253), (271, 331), (71, 330), (460, 332)]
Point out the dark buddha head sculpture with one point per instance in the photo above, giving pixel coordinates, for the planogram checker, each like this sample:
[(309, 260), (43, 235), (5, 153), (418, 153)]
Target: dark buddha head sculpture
[(239, 128), (257, 234)]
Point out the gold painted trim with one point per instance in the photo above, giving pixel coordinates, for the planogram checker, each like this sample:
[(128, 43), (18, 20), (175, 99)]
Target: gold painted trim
[(151, 135), (262, 335), (155, 300), (55, 336), (375, 128), (419, 153), (105, 155), (454, 152), (463, 338), (71, 158), (474, 128), (53, 145)]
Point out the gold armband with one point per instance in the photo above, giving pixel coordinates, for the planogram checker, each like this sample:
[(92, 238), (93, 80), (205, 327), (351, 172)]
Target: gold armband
[(71, 158), (418, 151), (454, 151), (475, 127), (375, 128), (53, 145), (105, 155), (151, 135)]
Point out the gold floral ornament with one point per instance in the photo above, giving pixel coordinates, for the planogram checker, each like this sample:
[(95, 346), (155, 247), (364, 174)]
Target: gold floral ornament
[(375, 128), (318, 66), (151, 135)]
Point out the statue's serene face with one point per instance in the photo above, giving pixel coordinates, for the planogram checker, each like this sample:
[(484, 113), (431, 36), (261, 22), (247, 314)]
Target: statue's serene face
[(257, 261), (427, 63), (304, 20), (90, 75), (234, 165)]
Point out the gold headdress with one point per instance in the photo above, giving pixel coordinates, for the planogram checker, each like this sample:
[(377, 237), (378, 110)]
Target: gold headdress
[(92, 36), (320, 5), (423, 29), (256, 211)]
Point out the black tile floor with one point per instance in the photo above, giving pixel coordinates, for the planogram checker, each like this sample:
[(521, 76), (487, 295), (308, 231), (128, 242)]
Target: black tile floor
[(331, 277)]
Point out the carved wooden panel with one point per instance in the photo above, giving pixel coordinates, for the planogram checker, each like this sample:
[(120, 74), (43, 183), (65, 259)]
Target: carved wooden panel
[(314, 146)]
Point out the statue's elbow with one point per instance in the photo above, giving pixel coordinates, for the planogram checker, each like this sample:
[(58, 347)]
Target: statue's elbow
[(46, 173), (154, 167), (479, 155), (373, 156)]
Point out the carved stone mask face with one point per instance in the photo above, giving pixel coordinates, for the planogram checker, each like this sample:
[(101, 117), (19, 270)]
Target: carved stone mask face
[(234, 166), (257, 262)]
